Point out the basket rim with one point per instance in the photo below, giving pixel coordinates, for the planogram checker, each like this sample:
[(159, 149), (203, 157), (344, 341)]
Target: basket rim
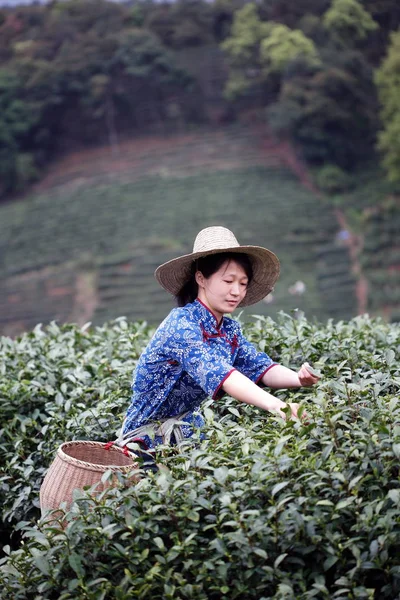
[(95, 466)]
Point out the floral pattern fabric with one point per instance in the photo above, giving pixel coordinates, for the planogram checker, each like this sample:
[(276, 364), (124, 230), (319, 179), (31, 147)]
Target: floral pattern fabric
[(187, 360)]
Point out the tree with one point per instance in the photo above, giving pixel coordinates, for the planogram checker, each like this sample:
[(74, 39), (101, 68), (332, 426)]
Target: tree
[(291, 12), (258, 50), (79, 72), (144, 75), (183, 23), (323, 95), (284, 45), (349, 21), (223, 14), (248, 31), (16, 122), (318, 113), (387, 79), (387, 14), (328, 110)]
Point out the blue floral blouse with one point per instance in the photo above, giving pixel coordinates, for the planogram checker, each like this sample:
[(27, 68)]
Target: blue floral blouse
[(188, 359)]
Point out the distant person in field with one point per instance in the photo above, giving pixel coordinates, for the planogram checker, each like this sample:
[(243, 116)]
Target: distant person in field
[(197, 351)]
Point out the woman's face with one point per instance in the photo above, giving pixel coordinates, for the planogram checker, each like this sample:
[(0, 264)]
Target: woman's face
[(223, 291)]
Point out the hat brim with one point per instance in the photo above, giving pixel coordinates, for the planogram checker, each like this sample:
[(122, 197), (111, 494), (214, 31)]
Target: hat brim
[(173, 274)]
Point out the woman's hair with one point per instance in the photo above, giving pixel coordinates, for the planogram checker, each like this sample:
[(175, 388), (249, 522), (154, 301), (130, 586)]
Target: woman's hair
[(208, 265)]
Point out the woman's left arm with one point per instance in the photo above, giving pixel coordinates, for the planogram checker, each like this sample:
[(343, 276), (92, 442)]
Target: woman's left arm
[(282, 377)]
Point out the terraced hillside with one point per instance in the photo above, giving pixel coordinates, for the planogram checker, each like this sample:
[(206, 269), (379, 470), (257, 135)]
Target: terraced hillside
[(86, 249), (164, 156)]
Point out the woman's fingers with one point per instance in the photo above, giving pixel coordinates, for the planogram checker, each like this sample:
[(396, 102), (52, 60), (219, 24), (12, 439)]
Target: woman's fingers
[(295, 413), (307, 376), (294, 408)]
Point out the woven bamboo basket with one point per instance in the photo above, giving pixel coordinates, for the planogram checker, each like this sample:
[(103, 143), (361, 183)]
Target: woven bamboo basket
[(82, 463)]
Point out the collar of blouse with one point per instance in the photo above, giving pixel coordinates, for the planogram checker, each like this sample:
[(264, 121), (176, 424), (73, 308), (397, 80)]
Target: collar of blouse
[(211, 328)]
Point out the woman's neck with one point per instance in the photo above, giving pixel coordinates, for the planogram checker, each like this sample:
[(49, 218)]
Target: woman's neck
[(217, 316)]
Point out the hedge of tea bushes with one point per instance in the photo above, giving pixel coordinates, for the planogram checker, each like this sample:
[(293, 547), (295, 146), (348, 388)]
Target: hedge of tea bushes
[(59, 383), (259, 509)]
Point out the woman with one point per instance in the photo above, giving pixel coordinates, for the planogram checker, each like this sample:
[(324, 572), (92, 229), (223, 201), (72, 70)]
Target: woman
[(197, 351)]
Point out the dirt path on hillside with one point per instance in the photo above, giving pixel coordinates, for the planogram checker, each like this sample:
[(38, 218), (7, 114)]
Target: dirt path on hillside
[(286, 153), (355, 243)]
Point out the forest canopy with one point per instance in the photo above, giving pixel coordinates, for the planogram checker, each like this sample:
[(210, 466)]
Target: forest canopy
[(79, 72)]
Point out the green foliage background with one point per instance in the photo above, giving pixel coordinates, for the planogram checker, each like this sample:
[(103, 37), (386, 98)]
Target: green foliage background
[(88, 71), (261, 508), (318, 77)]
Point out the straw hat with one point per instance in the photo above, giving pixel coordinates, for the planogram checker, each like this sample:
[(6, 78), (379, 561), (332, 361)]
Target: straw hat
[(173, 274)]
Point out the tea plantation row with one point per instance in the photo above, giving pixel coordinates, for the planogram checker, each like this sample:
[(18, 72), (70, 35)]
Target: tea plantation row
[(261, 509), (116, 234)]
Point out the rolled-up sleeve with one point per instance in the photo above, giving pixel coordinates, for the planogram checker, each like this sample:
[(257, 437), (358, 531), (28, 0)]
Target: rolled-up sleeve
[(250, 362), (201, 361)]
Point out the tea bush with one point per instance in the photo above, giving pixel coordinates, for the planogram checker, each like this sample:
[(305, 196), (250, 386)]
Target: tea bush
[(59, 383), (260, 509)]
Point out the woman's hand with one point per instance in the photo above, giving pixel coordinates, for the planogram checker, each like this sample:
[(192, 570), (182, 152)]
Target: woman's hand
[(307, 376), (280, 377), (294, 407), (240, 387)]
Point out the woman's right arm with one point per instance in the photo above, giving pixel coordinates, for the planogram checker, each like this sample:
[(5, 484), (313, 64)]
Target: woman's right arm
[(243, 389)]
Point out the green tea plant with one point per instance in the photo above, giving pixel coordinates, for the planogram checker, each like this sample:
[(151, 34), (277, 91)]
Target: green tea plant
[(261, 508), (59, 383)]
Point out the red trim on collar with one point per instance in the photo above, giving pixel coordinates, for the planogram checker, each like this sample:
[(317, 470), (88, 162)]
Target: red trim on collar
[(218, 325), (221, 334)]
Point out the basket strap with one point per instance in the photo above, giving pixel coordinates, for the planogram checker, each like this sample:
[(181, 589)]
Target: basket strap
[(149, 463), (164, 428)]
